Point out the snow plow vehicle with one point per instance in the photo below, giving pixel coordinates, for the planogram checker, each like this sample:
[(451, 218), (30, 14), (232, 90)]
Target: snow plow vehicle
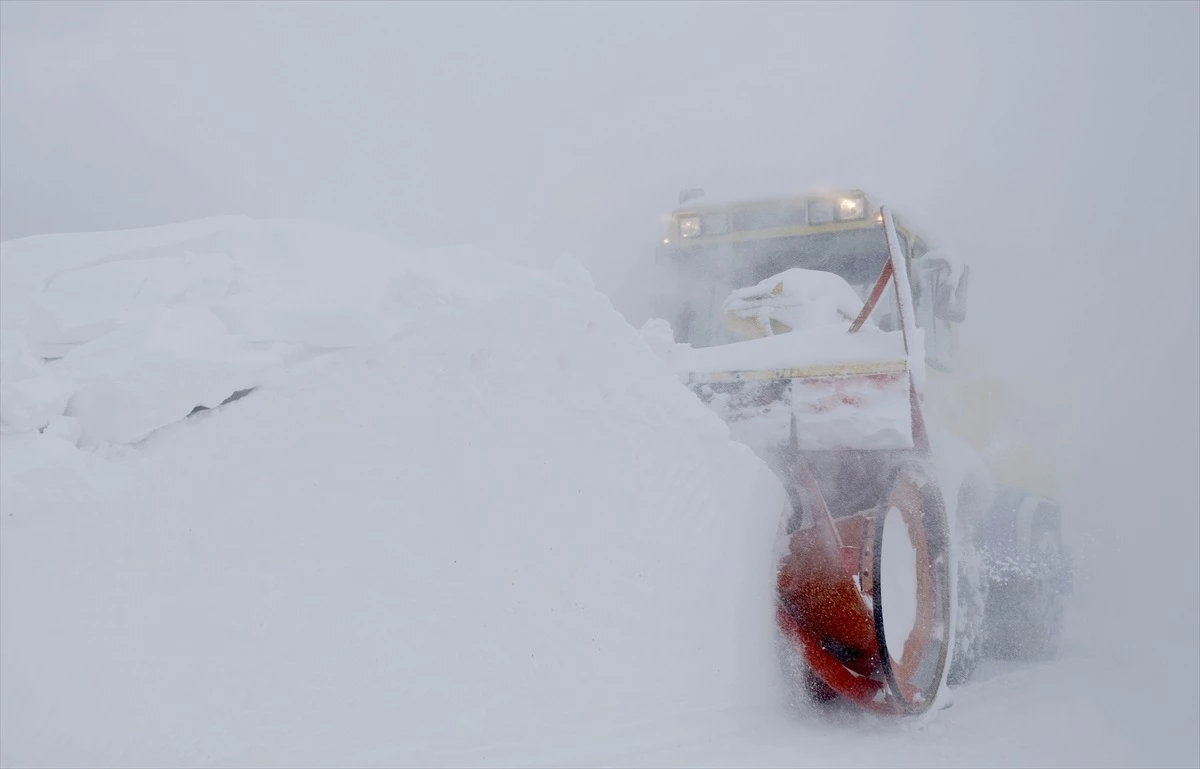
[(823, 331)]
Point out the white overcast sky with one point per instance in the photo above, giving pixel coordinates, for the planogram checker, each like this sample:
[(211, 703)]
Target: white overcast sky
[(532, 123)]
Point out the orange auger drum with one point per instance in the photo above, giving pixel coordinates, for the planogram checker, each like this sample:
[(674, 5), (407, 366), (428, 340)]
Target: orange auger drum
[(834, 605)]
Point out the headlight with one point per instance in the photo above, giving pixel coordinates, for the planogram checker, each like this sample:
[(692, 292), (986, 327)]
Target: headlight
[(849, 209), (689, 226)]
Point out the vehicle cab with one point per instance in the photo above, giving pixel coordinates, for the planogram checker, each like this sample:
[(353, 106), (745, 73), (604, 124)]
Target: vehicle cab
[(710, 248)]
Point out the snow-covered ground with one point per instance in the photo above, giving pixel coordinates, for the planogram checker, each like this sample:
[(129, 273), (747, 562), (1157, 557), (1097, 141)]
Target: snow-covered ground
[(466, 515)]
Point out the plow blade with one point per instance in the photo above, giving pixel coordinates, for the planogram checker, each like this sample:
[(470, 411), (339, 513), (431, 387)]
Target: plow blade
[(851, 406)]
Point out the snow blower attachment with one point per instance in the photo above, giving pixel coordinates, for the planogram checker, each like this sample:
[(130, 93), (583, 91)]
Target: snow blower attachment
[(864, 591)]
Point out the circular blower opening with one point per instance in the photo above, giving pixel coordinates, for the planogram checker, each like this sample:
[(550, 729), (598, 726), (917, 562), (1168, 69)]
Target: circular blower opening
[(898, 583)]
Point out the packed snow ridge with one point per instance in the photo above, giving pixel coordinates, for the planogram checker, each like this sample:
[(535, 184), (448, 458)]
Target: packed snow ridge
[(278, 493)]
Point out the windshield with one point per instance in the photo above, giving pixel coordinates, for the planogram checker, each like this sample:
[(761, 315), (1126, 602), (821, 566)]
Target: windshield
[(708, 277)]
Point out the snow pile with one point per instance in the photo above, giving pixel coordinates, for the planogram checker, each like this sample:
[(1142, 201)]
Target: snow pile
[(148, 374), (143, 327), (465, 516), (30, 396), (660, 337), (796, 299), (28, 266)]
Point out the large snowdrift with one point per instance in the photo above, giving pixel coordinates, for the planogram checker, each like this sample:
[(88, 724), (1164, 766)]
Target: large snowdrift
[(464, 514)]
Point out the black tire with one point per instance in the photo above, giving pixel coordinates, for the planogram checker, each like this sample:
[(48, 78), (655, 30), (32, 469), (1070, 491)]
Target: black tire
[(970, 645), (1028, 610)]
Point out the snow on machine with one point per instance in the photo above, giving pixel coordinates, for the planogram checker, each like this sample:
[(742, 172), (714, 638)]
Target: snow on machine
[(822, 331)]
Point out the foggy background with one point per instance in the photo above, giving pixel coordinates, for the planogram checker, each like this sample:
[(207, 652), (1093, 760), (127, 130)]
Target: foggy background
[(1055, 145)]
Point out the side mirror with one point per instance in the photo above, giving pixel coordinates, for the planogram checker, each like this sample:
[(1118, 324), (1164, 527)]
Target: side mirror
[(950, 303), (690, 194)]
